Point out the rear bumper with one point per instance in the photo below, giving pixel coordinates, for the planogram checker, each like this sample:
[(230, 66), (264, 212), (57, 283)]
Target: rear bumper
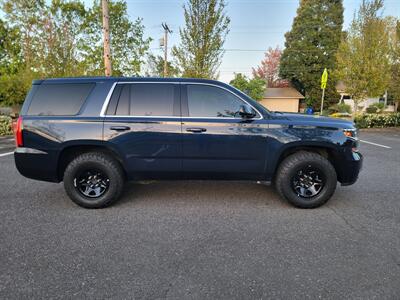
[(36, 164), (351, 168)]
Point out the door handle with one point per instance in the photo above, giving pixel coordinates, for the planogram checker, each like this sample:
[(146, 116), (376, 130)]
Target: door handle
[(120, 128), (196, 129)]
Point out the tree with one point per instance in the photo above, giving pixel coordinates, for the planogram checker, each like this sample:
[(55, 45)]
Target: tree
[(10, 49), (311, 46), (155, 67), (394, 85), (269, 69), (62, 38), (254, 88), (363, 56), (206, 26)]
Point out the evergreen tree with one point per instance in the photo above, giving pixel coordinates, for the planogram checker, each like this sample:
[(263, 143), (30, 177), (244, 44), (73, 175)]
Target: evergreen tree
[(311, 46), (206, 26)]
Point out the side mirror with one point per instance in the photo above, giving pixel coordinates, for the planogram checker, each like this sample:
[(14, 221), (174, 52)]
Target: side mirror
[(246, 112)]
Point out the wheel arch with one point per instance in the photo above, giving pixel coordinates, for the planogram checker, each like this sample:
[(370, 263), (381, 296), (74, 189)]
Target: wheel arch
[(71, 151), (326, 150)]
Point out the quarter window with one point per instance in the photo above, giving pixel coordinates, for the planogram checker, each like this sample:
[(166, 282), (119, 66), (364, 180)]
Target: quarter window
[(59, 99), (212, 102)]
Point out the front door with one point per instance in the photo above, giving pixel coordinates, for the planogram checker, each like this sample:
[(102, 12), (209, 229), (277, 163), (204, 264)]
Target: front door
[(142, 122), (216, 141)]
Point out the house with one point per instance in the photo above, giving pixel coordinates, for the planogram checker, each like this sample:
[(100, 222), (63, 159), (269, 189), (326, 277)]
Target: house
[(285, 99), (362, 105)]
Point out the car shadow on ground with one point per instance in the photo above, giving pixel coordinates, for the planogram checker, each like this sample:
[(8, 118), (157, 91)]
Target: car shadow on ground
[(200, 192)]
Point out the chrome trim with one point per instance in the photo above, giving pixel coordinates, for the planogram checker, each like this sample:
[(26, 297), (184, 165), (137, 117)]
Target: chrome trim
[(29, 150), (107, 100)]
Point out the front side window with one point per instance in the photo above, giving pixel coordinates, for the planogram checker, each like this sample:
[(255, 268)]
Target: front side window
[(212, 102), (142, 99)]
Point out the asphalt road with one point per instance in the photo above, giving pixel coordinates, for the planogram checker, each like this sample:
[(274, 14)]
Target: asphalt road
[(205, 240)]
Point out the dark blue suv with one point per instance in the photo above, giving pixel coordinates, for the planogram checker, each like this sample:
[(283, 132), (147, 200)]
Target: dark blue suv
[(95, 133)]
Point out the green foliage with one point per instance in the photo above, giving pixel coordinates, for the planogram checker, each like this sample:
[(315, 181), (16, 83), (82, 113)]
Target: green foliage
[(128, 46), (377, 120), (311, 46), (375, 107), (61, 38), (340, 108), (363, 56), (10, 49), (254, 88), (5, 125), (206, 26), (394, 86), (155, 67)]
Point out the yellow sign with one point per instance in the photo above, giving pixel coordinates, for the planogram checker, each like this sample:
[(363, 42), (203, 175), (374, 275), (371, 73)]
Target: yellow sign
[(324, 79)]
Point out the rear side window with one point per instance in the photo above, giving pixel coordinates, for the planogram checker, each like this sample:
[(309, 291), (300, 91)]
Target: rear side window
[(59, 99), (142, 99)]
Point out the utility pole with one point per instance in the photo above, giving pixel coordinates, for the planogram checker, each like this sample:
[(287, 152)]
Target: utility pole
[(106, 37), (166, 31)]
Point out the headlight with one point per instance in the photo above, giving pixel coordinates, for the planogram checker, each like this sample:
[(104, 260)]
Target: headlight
[(351, 133)]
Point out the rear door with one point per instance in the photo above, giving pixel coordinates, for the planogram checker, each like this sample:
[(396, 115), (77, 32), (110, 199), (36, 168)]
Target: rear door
[(142, 121), (216, 141)]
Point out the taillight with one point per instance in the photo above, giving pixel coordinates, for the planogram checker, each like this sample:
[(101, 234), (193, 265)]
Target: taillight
[(18, 132)]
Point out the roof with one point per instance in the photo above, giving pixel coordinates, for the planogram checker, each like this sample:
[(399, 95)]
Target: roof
[(138, 79), (286, 92)]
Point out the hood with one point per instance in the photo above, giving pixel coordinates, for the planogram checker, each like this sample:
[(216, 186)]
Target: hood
[(314, 120)]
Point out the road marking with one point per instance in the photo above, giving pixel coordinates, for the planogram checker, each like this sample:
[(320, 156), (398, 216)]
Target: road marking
[(5, 154), (375, 144)]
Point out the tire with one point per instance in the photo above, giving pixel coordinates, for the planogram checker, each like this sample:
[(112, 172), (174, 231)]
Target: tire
[(94, 180), (306, 179)]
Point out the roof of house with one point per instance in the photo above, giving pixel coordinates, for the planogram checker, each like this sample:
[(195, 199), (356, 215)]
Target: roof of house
[(286, 92)]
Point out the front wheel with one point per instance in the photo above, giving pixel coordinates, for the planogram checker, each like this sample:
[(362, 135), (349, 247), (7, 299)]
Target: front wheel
[(93, 180), (306, 179)]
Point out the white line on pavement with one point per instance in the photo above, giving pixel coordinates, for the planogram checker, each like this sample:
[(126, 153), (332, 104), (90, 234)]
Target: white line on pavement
[(375, 144), (5, 154)]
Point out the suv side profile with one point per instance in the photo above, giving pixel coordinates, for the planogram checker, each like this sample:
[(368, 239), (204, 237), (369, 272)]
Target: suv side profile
[(96, 133)]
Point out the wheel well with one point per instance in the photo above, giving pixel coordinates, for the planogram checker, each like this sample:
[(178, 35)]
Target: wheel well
[(71, 152), (325, 152)]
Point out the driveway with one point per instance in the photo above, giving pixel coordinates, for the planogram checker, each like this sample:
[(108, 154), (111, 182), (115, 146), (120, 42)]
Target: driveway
[(205, 240)]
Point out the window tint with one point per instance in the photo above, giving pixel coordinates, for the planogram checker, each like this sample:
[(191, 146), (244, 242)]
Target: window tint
[(123, 103), (112, 106), (152, 99), (59, 99), (142, 99), (210, 102)]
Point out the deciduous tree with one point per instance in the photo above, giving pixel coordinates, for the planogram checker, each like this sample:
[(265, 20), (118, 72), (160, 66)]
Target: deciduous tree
[(364, 54), (254, 87), (206, 26), (269, 69)]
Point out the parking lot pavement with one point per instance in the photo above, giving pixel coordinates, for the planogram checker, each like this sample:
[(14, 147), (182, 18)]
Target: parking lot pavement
[(7, 145), (217, 240)]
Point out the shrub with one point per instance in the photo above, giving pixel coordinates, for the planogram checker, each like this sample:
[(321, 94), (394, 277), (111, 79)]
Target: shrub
[(340, 108), (5, 125), (377, 120), (376, 107), (371, 109)]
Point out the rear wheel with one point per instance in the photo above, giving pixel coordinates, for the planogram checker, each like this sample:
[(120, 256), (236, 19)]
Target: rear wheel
[(93, 180), (306, 179)]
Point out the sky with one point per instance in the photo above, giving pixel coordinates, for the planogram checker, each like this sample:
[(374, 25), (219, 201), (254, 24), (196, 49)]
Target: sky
[(255, 26)]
